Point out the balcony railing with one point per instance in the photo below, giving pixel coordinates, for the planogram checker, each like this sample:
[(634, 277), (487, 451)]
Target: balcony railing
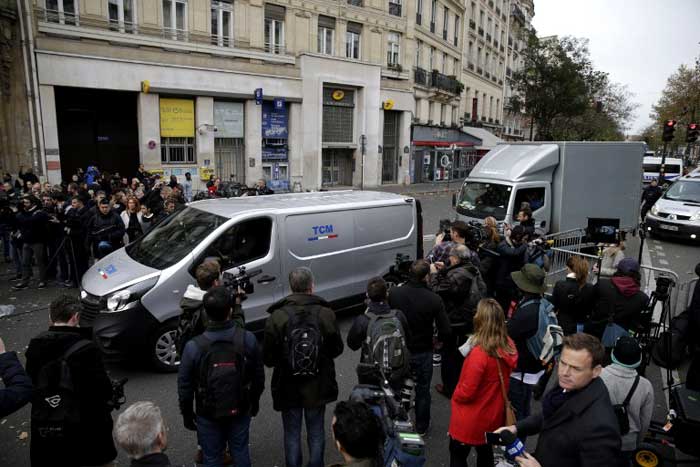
[(54, 16), (124, 26), (437, 80), (421, 77), (518, 14), (395, 9), (274, 48)]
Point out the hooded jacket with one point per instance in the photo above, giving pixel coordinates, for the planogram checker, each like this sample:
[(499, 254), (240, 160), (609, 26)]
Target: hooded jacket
[(452, 285), (288, 391), (619, 300)]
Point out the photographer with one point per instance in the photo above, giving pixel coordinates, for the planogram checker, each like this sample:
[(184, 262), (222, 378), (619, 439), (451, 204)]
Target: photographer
[(65, 432), (105, 231)]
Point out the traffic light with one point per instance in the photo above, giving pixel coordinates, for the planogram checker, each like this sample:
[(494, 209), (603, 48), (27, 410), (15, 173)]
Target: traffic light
[(693, 131), (669, 128)]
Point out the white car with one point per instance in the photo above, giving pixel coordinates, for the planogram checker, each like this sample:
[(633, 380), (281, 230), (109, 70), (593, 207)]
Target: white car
[(677, 212)]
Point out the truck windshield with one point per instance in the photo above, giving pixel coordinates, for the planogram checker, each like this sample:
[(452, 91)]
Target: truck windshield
[(481, 200), (685, 191), (169, 242)]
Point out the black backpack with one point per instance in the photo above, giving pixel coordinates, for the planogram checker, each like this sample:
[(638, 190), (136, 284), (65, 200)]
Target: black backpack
[(55, 405), (385, 346), (621, 410), (222, 390), (303, 343)]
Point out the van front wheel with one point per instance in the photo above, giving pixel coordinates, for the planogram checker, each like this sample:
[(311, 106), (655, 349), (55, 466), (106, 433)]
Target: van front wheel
[(162, 348)]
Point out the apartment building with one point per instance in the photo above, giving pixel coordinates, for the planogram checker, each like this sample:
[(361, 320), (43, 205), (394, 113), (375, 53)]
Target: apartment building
[(516, 125), (304, 93)]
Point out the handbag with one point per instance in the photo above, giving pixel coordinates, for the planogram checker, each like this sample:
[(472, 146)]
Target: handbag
[(612, 333), (510, 412)]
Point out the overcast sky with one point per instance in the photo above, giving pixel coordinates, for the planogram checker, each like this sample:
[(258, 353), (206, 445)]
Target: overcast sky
[(640, 43)]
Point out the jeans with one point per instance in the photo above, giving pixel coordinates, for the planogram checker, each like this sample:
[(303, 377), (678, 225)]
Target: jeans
[(5, 236), (422, 369), (291, 419), (29, 252), (459, 452), (520, 395), (213, 435), (16, 255)]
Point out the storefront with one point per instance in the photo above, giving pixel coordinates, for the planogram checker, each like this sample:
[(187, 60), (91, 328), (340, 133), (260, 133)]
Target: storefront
[(441, 154), (177, 137), (275, 149)]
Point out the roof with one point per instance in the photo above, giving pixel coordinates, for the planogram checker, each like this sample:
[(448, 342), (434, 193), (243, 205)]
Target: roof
[(294, 202), (518, 162), (488, 139)]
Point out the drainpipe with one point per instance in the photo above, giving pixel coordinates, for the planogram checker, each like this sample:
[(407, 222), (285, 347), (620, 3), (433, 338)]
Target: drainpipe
[(39, 124), (27, 83)]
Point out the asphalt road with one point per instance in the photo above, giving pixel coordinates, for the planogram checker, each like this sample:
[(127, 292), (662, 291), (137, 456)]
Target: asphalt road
[(266, 432)]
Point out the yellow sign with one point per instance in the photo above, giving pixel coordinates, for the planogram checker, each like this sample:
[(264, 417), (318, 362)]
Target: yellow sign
[(145, 86), (338, 95), (388, 104), (205, 173), (177, 118)]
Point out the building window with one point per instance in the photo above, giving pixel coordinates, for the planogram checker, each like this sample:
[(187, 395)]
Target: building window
[(352, 40), (393, 50), (121, 15), (481, 19), (456, 38), (355, 2), (175, 19), (433, 15), (473, 17), (444, 63), (419, 11), (222, 23), (419, 49), (326, 34), (470, 52), (431, 57), (395, 7), (61, 11), (177, 150), (445, 23), (443, 113), (274, 28)]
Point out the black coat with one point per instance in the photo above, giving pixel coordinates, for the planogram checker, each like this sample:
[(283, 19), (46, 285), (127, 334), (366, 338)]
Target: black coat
[(33, 225), (289, 392), (91, 443), (106, 227), (18, 386), (573, 304), (651, 194), (511, 259), (522, 326), (610, 302), (452, 285), (76, 221), (158, 459), (422, 308), (583, 432)]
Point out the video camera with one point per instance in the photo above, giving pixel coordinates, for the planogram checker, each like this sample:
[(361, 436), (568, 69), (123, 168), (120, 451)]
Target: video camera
[(400, 271), (663, 286), (118, 397), (234, 281)]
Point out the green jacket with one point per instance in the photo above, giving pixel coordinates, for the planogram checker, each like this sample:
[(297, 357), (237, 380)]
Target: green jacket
[(289, 392)]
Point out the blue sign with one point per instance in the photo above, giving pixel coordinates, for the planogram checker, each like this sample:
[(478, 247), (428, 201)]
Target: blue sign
[(274, 154), (258, 96), (274, 121), (279, 103)]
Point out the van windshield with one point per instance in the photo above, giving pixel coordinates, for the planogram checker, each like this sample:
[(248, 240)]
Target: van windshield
[(481, 200), (169, 242), (686, 191)]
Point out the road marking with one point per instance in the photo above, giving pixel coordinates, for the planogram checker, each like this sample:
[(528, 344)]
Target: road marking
[(663, 262), (660, 253)]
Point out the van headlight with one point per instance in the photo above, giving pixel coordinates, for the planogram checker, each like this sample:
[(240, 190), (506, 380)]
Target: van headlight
[(129, 297), (695, 217), (655, 210)]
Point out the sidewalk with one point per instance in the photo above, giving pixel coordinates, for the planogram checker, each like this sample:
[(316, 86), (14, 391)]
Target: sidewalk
[(416, 189)]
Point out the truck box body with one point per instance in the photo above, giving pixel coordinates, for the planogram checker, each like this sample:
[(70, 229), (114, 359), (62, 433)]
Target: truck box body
[(565, 182)]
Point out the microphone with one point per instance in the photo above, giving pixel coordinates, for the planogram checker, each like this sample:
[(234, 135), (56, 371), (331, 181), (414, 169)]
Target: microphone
[(514, 447)]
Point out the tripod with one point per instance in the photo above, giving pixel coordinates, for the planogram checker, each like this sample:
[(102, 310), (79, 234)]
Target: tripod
[(650, 331), (73, 272)]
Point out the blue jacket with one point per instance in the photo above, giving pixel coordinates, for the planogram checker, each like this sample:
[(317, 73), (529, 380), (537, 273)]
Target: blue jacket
[(192, 355), (18, 385)]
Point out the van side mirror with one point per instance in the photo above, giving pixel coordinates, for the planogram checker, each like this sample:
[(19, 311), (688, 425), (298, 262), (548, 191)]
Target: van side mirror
[(454, 199)]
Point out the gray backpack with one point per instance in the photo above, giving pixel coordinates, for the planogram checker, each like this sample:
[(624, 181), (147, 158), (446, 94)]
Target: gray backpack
[(477, 290), (385, 346)]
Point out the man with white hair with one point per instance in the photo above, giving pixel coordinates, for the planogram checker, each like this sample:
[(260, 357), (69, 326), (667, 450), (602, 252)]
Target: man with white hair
[(140, 432)]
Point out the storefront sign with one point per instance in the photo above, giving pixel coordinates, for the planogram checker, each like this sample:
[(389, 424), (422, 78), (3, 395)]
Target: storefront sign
[(177, 118), (338, 95), (274, 154), (388, 104), (228, 119), (205, 173), (274, 121)]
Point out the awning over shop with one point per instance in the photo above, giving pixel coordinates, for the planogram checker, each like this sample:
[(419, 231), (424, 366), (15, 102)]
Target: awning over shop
[(488, 139)]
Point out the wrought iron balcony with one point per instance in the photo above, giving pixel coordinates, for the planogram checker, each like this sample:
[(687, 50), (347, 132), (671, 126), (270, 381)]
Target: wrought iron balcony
[(421, 77)]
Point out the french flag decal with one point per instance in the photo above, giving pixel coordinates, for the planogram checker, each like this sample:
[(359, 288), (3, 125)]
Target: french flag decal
[(323, 237), (102, 273)]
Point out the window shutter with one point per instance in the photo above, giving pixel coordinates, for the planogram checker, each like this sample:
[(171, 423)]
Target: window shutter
[(326, 22), (276, 12), (354, 27)]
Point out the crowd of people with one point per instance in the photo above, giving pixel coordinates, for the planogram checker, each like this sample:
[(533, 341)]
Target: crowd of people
[(60, 228), (480, 304)]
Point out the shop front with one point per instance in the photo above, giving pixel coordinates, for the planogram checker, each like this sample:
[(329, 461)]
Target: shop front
[(441, 154)]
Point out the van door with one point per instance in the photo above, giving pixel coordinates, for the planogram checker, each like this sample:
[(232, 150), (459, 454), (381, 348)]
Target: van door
[(251, 243), (539, 198)]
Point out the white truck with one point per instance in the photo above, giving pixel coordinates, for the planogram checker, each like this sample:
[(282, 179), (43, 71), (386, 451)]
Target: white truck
[(566, 183)]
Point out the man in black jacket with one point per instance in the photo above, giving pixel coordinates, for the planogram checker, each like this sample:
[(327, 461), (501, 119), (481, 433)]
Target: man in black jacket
[(423, 310), (105, 231), (578, 426), (88, 441), (522, 326), (650, 195), (33, 226), (511, 258), (77, 218), (299, 397), (452, 282), (18, 386)]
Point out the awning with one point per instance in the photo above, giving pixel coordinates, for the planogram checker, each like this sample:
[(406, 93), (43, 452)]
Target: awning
[(488, 139), (444, 144)]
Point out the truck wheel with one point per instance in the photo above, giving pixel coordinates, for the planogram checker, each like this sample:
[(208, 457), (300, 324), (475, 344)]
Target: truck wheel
[(162, 350), (647, 455)]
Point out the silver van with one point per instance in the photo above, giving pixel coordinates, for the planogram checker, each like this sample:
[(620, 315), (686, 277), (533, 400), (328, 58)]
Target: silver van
[(131, 297)]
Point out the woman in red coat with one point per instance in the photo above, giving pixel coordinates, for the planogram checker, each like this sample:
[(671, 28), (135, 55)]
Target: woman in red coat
[(477, 403)]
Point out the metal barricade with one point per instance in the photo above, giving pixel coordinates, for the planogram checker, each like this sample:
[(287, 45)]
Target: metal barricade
[(558, 270), (685, 294), (568, 240)]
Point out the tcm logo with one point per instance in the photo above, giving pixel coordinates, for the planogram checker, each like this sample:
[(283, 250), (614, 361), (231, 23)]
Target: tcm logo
[(54, 401), (322, 229)]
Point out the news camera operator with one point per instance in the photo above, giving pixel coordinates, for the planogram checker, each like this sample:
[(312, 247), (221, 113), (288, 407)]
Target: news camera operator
[(65, 432), (105, 231)]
